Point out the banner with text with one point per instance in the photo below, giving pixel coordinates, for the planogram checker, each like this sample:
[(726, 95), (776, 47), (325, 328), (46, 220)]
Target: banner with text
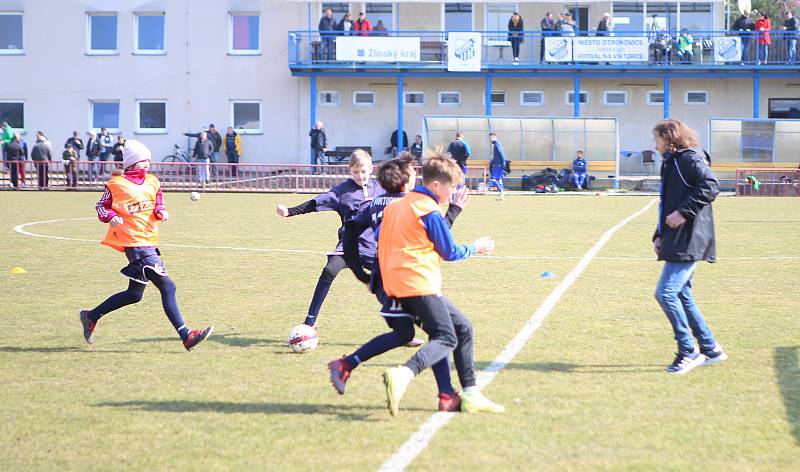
[(558, 49), (463, 52), (727, 49), (610, 49), (371, 49)]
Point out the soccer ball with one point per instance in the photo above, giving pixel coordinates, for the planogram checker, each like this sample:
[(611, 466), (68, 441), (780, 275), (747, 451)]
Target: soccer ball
[(194, 196), (303, 338)]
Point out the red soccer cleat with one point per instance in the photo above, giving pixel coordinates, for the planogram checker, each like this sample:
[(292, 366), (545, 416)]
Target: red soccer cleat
[(340, 372), (196, 336), (448, 402), (88, 327)]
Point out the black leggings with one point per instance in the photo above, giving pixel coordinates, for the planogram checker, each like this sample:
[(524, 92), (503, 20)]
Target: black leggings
[(332, 268)]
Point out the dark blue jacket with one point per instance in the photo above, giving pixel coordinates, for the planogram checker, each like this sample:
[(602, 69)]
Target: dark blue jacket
[(579, 165), (498, 155)]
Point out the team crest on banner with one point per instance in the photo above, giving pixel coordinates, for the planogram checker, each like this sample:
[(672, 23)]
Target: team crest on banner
[(463, 52), (558, 49), (727, 49)]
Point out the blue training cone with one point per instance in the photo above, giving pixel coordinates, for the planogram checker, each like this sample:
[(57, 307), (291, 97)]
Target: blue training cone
[(547, 275)]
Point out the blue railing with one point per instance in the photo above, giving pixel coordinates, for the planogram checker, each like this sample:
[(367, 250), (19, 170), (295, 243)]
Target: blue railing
[(638, 49)]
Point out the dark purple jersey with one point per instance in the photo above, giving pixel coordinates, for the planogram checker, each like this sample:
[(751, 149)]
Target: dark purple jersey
[(347, 199)]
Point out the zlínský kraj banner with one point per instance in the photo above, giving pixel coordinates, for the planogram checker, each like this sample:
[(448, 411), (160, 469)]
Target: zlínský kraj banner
[(371, 49)]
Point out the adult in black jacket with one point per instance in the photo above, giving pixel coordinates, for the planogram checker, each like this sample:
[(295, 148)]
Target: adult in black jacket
[(15, 154), (327, 31), (460, 151), (515, 28), (685, 235), (41, 155), (319, 142), (746, 28)]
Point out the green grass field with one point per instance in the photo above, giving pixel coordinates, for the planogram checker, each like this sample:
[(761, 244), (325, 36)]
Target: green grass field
[(587, 392)]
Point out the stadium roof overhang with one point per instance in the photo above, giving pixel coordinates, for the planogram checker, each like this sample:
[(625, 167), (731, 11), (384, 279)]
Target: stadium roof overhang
[(565, 3)]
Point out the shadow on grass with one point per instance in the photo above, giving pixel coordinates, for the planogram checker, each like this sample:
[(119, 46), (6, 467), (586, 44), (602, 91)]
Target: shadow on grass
[(787, 366), (40, 349), (341, 412), (568, 368), (237, 340)]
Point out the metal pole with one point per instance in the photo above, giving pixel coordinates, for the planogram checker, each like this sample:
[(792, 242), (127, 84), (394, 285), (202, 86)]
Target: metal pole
[(666, 97), (312, 98), (576, 97), (399, 113), (488, 95), (756, 86)]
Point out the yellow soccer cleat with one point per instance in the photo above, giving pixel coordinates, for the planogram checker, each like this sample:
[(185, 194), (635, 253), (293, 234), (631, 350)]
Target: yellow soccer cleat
[(476, 402), (396, 380)]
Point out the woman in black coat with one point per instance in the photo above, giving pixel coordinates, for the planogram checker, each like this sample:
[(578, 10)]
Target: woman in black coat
[(515, 28), (685, 235)]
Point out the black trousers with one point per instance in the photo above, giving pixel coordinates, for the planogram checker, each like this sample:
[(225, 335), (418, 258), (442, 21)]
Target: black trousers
[(42, 174), (448, 330)]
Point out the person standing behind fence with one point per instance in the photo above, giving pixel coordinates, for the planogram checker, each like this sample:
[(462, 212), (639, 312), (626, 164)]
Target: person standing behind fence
[(327, 30), (579, 166), (745, 26), (362, 25), (6, 137), (684, 235), (790, 27), (515, 35), (15, 157), (416, 149), (232, 145), (548, 26), (345, 24), (319, 142), (216, 141), (459, 150), (497, 165), (106, 144), (203, 150), (70, 160), (763, 25), (118, 151), (41, 155), (76, 142), (605, 27), (93, 151)]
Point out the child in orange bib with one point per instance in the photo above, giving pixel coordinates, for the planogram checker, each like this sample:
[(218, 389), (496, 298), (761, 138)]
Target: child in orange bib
[(132, 205)]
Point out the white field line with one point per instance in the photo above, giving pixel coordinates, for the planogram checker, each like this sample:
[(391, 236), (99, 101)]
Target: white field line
[(420, 439), (21, 229)]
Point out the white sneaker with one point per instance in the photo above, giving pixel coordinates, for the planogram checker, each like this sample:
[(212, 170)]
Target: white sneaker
[(714, 356)]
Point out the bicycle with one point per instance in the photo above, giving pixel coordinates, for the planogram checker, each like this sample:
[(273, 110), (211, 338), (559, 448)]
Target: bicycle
[(174, 170)]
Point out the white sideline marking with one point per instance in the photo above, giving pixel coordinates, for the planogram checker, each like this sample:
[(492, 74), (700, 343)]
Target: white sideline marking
[(419, 440), (21, 229)]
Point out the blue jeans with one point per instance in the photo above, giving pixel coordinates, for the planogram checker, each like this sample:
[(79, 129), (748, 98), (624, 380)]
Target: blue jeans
[(94, 168), (497, 178), (674, 294), (579, 179), (791, 48), (203, 170)]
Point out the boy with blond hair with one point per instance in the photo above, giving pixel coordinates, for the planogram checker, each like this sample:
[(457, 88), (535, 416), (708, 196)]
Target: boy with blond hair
[(412, 239)]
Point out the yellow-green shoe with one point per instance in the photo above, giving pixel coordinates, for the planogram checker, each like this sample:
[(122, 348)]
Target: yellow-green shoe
[(476, 402), (396, 380)]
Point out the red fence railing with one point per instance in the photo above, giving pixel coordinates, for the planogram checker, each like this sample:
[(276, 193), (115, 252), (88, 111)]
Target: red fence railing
[(184, 176), (768, 182)]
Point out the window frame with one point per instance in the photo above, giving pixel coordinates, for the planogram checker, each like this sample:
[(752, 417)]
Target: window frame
[(450, 105), (608, 104), (580, 92), (686, 98), (650, 102), (92, 102), (337, 93), (101, 52), (149, 52), (243, 52), (443, 22), (20, 129), (522, 102), (415, 104), (497, 104), (246, 131), (139, 129), (15, 52), (374, 98)]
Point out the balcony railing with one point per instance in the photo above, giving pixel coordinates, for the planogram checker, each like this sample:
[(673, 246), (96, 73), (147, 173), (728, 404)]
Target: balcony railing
[(532, 49)]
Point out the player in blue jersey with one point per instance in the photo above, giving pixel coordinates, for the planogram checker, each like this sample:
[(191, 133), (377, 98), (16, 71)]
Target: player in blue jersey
[(346, 199), (397, 177)]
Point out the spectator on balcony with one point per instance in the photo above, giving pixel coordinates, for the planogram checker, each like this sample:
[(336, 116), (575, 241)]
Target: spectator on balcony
[(345, 24), (763, 25), (394, 141), (379, 29), (548, 26), (559, 20), (685, 44), (790, 26), (605, 27), (233, 150), (362, 25), (76, 142), (327, 28), (319, 142), (745, 26), (567, 26), (41, 155), (416, 148), (459, 150), (515, 35)]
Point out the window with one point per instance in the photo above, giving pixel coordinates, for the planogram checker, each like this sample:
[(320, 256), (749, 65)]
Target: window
[(328, 98), (414, 98), (13, 113), (530, 98), (104, 114), (497, 16), (363, 99), (246, 116), (628, 16), (151, 116), (778, 108), (498, 98), (379, 12), (655, 97), (449, 99), (11, 33), (102, 33), (583, 97), (696, 17), (149, 33), (615, 98), (696, 97), (457, 17), (339, 9), (244, 34)]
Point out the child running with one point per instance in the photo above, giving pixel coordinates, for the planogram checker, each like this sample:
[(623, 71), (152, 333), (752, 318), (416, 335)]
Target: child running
[(346, 199), (397, 177), (132, 205), (412, 239)]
